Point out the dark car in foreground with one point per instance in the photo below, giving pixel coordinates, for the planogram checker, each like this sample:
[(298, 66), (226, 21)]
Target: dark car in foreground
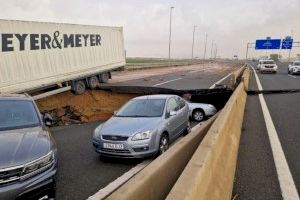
[(144, 126), (28, 154)]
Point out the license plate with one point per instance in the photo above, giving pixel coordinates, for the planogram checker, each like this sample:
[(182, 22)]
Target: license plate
[(113, 146)]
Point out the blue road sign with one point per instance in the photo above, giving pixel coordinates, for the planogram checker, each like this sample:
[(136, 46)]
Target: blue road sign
[(287, 43), (268, 44)]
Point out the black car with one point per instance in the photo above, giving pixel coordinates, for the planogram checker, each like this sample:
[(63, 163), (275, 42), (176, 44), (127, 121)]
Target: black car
[(28, 153)]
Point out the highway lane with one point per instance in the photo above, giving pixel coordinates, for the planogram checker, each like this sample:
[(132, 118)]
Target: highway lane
[(194, 78), (257, 175), (282, 80)]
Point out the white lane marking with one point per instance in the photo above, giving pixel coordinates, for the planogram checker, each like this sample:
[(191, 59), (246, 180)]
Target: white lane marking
[(167, 82), (286, 182), (219, 81), (110, 188), (292, 76)]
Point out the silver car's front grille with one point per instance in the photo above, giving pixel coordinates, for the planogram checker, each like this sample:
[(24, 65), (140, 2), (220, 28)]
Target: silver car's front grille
[(115, 150), (114, 137)]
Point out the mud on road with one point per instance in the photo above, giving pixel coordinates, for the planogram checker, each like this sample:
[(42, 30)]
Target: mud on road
[(94, 105)]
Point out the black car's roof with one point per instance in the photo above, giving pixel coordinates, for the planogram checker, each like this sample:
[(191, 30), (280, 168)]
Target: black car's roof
[(15, 97)]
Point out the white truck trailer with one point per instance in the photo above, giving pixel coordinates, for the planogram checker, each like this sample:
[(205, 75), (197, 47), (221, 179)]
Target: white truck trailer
[(36, 55)]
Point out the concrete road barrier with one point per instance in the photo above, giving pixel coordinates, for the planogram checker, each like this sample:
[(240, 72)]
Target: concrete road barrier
[(156, 180), (245, 79), (210, 173), (238, 73), (236, 77)]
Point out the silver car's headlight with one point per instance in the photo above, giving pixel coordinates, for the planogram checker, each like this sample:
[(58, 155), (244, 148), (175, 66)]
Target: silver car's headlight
[(96, 134), (38, 166), (142, 136)]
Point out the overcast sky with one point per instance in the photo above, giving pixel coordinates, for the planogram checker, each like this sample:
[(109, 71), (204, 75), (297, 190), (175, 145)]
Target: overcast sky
[(229, 23)]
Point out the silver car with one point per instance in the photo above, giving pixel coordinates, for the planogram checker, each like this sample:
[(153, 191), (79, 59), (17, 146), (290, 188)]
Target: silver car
[(199, 111), (144, 126)]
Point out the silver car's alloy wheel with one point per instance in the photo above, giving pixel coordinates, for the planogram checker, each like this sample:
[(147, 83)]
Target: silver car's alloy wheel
[(163, 144), (198, 115)]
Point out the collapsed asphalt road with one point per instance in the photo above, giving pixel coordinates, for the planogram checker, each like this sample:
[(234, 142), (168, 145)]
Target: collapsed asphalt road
[(81, 172), (204, 84)]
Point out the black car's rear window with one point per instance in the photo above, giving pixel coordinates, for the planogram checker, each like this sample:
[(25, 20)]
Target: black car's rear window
[(16, 114)]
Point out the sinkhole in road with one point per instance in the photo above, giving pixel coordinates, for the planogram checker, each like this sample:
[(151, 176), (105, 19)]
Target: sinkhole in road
[(257, 92), (98, 105)]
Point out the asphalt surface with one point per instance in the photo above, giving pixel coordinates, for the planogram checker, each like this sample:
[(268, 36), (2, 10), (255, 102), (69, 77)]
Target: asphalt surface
[(182, 80), (256, 175), (81, 172)]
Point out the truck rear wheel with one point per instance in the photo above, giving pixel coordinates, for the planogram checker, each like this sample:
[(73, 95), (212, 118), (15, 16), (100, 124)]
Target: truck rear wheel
[(79, 87), (104, 77), (93, 82)]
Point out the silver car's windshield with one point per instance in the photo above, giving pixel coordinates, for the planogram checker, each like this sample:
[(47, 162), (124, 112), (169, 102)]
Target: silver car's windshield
[(268, 62), (142, 108), (16, 114)]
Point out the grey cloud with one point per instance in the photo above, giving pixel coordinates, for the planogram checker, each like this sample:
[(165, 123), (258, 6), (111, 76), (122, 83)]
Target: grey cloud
[(231, 23)]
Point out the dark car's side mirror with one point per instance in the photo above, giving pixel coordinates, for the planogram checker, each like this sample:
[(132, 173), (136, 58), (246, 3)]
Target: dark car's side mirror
[(48, 120)]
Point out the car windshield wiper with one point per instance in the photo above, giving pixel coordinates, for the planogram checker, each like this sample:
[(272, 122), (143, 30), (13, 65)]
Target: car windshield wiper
[(134, 116), (138, 116)]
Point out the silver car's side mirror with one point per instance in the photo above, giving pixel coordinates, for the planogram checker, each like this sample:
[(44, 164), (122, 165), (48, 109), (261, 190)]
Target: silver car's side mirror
[(173, 113), (48, 120), (115, 112)]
